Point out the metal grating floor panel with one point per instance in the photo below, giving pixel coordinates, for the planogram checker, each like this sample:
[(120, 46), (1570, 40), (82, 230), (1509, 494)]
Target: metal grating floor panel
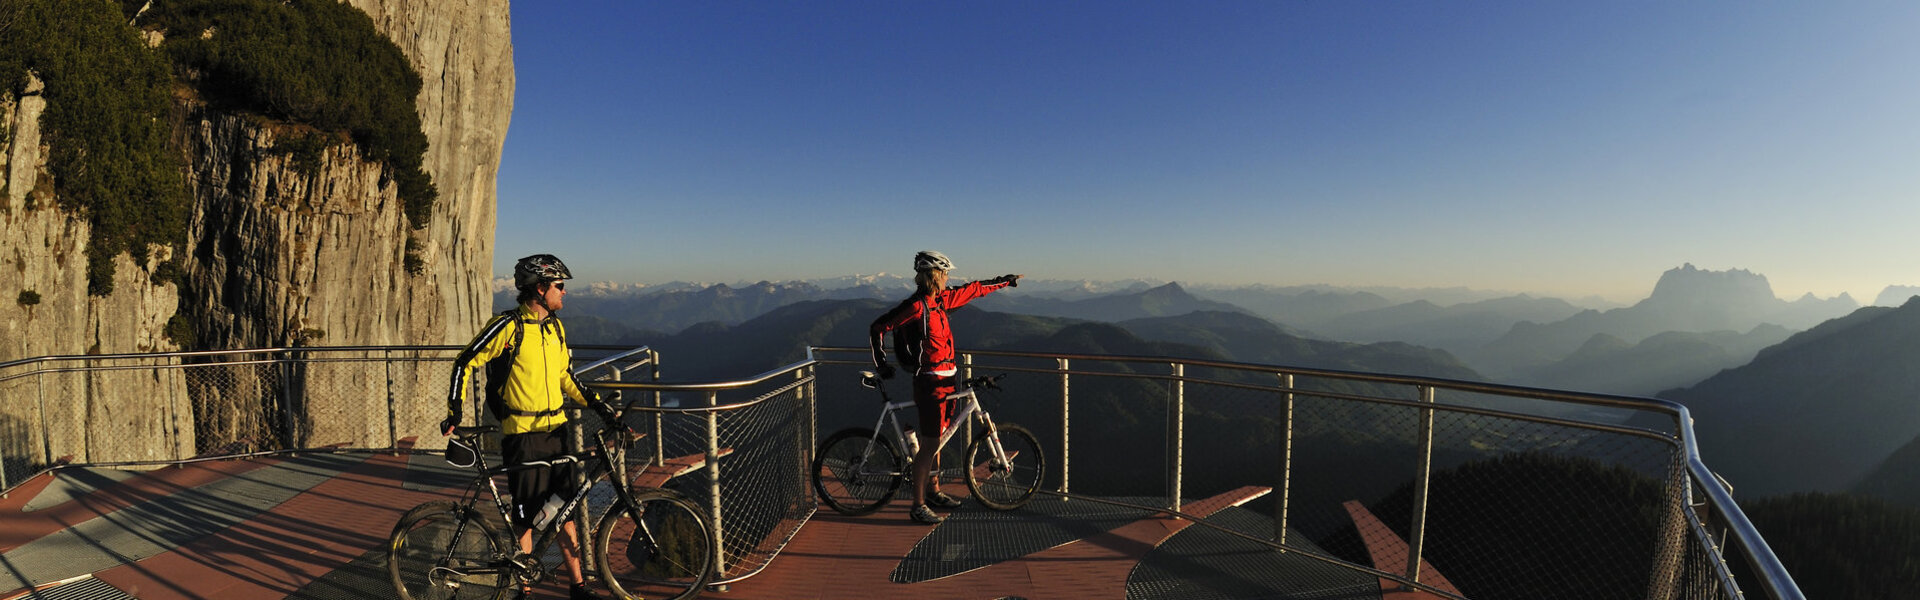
[(975, 536), (1200, 563), (85, 589), (365, 578)]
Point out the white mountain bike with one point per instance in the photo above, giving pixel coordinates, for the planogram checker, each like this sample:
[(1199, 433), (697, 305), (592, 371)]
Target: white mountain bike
[(857, 470)]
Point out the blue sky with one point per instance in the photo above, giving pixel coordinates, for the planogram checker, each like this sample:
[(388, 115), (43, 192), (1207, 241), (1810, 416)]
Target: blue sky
[(1560, 148)]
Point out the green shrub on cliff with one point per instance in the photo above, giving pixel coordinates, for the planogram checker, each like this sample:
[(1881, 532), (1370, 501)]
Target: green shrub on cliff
[(105, 124), (315, 62)]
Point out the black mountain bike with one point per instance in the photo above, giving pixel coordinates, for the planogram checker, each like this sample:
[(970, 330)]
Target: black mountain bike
[(857, 470), (651, 542)]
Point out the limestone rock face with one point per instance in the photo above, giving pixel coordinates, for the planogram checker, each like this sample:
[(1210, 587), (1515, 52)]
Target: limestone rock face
[(464, 53), (282, 257), (277, 254), (43, 258)]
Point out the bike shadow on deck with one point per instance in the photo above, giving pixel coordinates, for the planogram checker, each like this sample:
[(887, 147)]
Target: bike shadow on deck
[(1053, 547)]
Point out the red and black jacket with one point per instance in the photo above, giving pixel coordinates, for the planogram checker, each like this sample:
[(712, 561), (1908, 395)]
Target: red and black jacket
[(922, 336)]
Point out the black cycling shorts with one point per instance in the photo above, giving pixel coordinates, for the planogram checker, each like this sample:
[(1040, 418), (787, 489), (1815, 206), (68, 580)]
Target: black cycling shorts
[(531, 487)]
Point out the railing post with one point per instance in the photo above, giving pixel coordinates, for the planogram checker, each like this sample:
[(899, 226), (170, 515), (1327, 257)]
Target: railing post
[(620, 467), (713, 485), (659, 419), (1066, 412), (966, 435), (1286, 461), (46, 432), (1425, 476), (813, 418), (393, 411), (1176, 449), (287, 438), (576, 444)]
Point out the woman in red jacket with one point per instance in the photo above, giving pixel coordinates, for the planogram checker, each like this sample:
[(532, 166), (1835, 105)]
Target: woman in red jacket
[(923, 342)]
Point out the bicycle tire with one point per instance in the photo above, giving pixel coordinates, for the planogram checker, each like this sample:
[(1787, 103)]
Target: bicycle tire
[(844, 476), (443, 534), (666, 553), (1005, 486)]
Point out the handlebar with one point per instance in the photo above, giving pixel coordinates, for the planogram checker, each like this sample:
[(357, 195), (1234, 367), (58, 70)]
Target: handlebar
[(992, 382)]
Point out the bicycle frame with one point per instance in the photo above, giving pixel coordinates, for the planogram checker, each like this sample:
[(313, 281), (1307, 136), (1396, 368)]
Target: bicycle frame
[(550, 533), (969, 396)]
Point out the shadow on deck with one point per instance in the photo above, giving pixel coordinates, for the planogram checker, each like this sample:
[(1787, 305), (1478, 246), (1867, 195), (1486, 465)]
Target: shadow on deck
[(314, 527)]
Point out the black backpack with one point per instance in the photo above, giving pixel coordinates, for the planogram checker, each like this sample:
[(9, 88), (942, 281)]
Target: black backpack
[(907, 348), (501, 367)]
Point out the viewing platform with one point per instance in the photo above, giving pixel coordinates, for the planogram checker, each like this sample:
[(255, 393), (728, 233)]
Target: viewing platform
[(1166, 478), (314, 526)]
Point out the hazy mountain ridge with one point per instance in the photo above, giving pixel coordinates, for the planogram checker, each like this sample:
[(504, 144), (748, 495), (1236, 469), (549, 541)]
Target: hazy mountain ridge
[(716, 349), (1163, 301), (1667, 360), (1896, 479), (1248, 338), (1303, 308), (1817, 412), (1685, 299), (1457, 328)]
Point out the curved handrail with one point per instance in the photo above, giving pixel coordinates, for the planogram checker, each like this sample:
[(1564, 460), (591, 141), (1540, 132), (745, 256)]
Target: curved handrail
[(1753, 548), (1591, 399), (1771, 575)]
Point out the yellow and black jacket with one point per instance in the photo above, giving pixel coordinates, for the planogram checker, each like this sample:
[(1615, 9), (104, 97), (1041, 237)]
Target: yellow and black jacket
[(539, 379)]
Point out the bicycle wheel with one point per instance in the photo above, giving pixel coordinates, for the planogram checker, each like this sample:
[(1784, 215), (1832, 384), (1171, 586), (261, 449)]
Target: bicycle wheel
[(857, 472), (434, 547), (666, 552), (1005, 485)]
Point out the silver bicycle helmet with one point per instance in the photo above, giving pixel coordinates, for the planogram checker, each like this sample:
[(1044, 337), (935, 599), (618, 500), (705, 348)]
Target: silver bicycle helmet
[(537, 269), (928, 260)]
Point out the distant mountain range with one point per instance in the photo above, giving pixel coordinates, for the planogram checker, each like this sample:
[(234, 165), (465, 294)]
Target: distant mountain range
[(1609, 365), (1896, 479), (1685, 299), (715, 349), (1695, 324), (1817, 412), (1163, 301), (1458, 328), (1896, 295)]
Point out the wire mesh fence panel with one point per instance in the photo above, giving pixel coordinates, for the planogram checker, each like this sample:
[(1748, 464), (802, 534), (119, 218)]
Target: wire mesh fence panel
[(1700, 575), (124, 413), (63, 410), (22, 447), (764, 487), (237, 407), (341, 401), (1561, 500), (1118, 431), (1520, 510), (1345, 457)]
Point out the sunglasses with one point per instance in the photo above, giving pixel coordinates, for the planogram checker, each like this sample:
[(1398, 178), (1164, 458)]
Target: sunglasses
[(558, 285)]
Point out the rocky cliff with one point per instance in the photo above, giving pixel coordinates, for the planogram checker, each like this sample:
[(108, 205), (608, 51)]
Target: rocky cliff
[(277, 254)]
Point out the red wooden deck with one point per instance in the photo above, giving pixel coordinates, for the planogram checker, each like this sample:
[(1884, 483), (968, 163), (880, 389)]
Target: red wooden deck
[(346, 518)]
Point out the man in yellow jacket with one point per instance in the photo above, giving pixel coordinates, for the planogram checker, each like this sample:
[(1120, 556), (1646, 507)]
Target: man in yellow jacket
[(530, 373)]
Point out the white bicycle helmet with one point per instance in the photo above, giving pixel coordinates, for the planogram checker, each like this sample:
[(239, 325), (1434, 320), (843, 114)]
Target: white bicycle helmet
[(928, 260)]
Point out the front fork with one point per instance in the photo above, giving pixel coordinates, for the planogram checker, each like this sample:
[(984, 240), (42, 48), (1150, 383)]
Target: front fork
[(998, 453)]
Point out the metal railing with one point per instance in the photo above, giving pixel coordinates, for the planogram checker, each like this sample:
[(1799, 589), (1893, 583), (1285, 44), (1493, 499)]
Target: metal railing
[(1512, 492), (71, 411), (1500, 488)]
